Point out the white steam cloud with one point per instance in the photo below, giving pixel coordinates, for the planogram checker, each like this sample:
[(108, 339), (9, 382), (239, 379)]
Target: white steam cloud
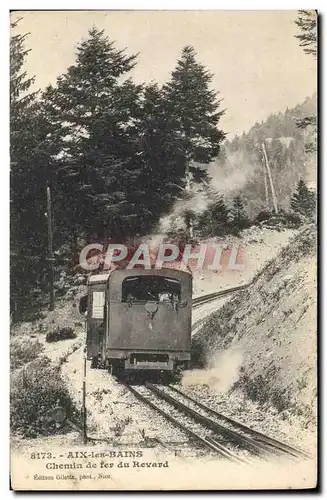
[(221, 374), (226, 180), (233, 176)]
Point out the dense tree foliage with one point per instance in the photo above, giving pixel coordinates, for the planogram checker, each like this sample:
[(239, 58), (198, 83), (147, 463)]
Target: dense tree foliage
[(125, 147), (92, 106), (115, 154), (30, 164)]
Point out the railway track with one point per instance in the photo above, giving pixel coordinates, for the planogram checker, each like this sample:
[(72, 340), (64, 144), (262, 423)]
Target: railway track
[(264, 442), (208, 428), (204, 299)]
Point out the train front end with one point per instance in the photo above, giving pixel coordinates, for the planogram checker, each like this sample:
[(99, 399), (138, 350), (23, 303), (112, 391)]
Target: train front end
[(148, 320)]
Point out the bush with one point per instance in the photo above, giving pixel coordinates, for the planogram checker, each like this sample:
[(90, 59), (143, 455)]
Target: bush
[(264, 215), (258, 389), (23, 351), (60, 334), (120, 425), (290, 220), (35, 392)]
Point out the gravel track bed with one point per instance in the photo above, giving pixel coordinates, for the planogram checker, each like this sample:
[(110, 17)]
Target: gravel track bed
[(168, 431), (237, 407), (114, 414), (209, 414), (190, 423)]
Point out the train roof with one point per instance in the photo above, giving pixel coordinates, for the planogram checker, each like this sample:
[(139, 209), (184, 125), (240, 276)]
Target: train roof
[(103, 277), (96, 278)]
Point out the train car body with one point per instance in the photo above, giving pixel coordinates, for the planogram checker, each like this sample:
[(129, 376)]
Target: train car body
[(140, 319)]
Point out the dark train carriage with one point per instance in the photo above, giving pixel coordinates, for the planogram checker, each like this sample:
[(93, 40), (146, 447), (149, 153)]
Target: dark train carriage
[(140, 319), (96, 314)]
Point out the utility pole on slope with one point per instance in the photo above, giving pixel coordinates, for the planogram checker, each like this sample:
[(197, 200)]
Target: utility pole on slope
[(273, 194), (50, 251), (189, 221), (265, 182)]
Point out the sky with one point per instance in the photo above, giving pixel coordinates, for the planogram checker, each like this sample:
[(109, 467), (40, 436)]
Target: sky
[(257, 63)]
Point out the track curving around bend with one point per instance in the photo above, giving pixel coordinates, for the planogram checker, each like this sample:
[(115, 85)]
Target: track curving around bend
[(209, 429), (204, 299)]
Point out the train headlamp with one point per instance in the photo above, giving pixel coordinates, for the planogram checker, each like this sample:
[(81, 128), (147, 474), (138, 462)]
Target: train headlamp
[(151, 307)]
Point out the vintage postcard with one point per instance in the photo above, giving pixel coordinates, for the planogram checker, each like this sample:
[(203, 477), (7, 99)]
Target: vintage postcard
[(163, 250)]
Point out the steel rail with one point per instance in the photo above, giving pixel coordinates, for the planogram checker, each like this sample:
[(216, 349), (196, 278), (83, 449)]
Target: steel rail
[(259, 436), (219, 429), (215, 446), (203, 299)]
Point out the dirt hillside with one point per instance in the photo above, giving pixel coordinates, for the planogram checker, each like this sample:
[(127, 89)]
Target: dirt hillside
[(270, 330)]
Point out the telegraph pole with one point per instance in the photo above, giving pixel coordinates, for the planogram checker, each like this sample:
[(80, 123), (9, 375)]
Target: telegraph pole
[(189, 221), (266, 182), (84, 413), (50, 251), (273, 194)]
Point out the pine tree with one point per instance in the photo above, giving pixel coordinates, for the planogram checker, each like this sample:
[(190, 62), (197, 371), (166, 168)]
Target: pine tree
[(30, 150), (193, 108), (220, 217), (238, 215), (162, 166), (215, 220), (307, 22), (19, 82), (303, 200), (93, 106)]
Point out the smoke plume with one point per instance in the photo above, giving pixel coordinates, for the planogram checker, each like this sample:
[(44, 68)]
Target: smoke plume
[(226, 180), (221, 374)]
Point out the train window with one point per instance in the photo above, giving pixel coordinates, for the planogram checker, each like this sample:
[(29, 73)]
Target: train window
[(98, 305), (156, 288)]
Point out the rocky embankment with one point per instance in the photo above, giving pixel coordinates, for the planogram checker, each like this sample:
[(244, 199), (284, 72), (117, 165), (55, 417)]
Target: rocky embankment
[(260, 347)]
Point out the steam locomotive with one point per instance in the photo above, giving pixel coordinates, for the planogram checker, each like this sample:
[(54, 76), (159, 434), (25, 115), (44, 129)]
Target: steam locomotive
[(139, 320)]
